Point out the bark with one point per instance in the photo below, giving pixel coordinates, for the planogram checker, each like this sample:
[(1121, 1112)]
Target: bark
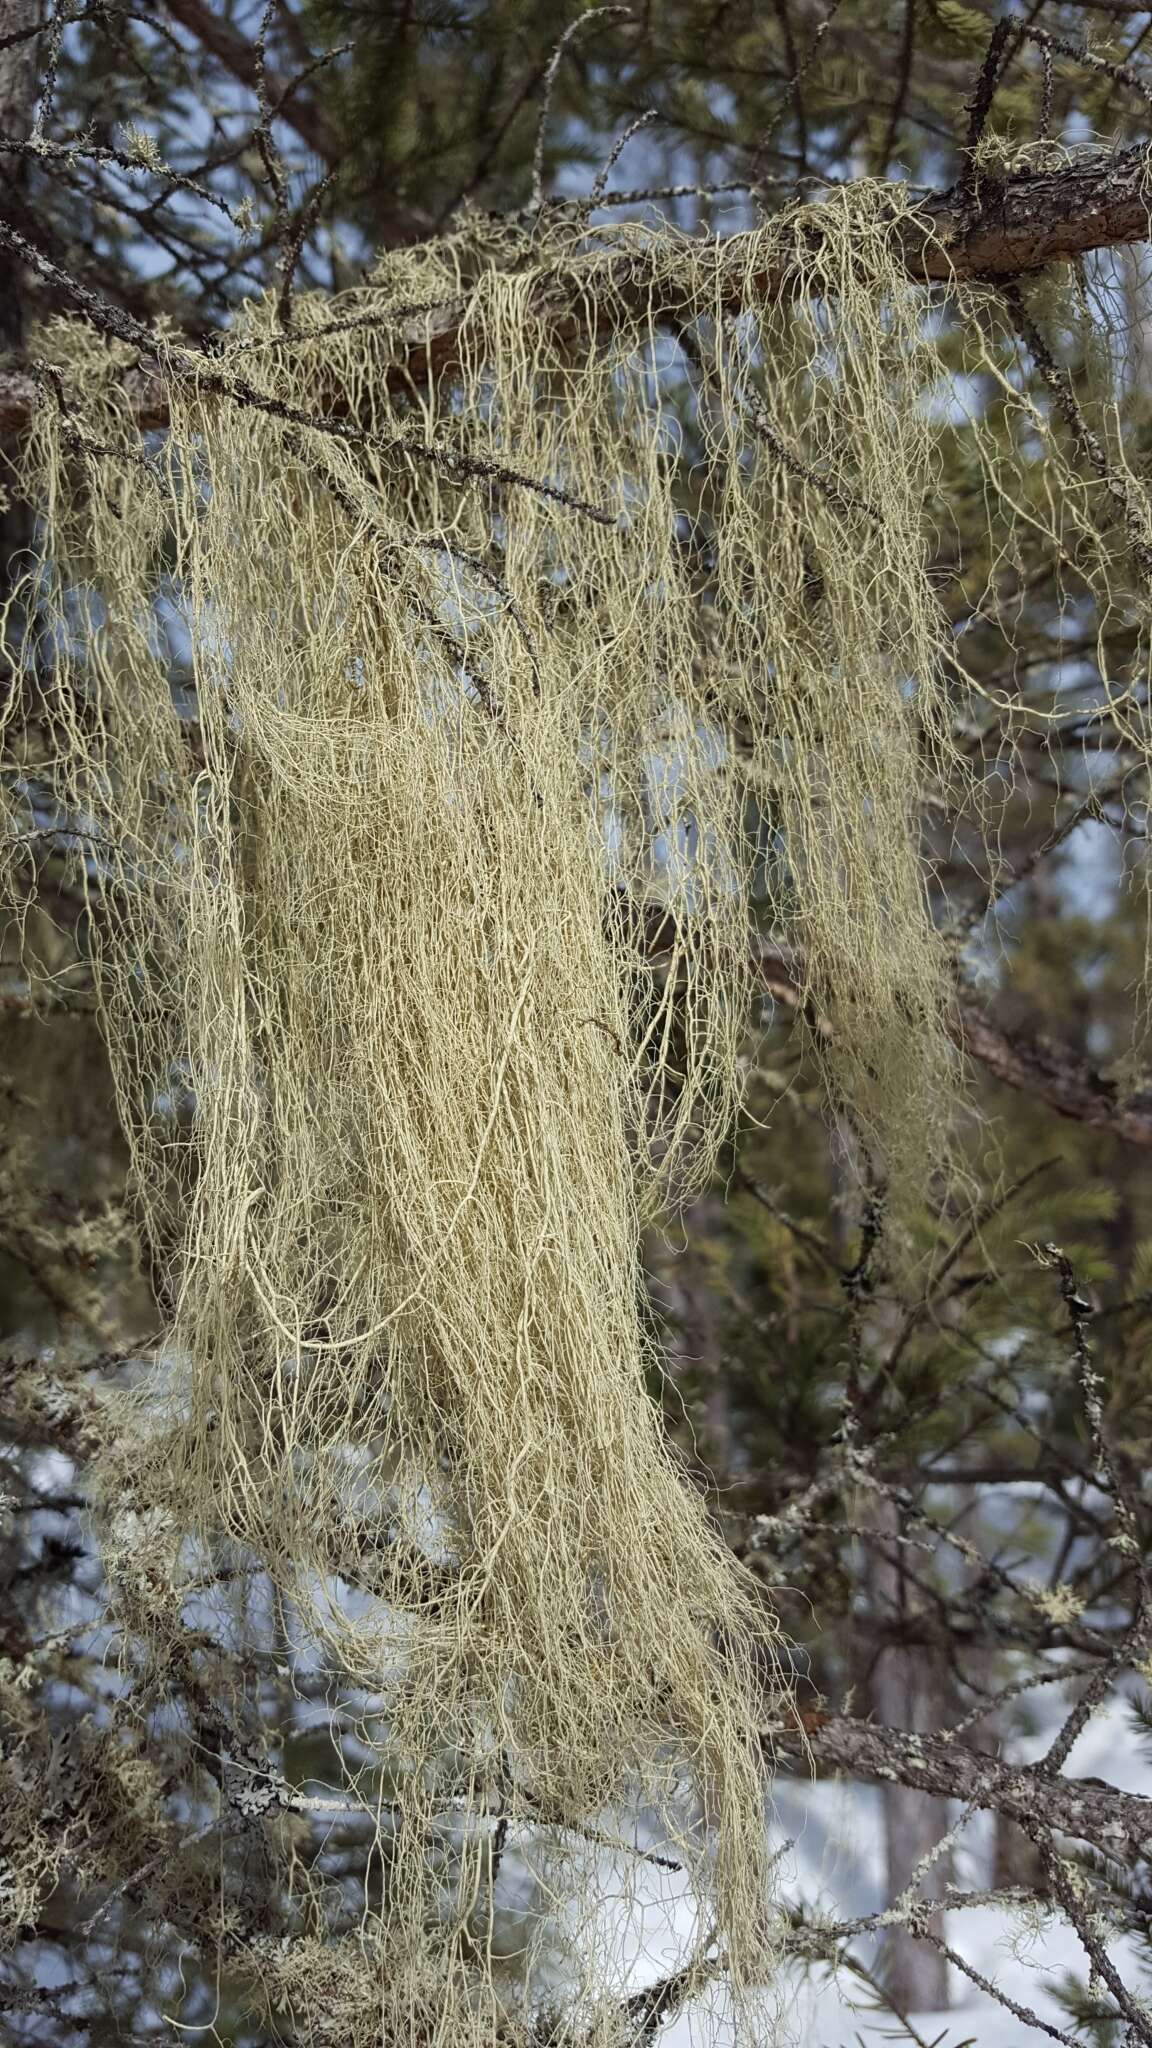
[(1051, 1075), (907, 1686), (1023, 222), (1118, 1824), (18, 69)]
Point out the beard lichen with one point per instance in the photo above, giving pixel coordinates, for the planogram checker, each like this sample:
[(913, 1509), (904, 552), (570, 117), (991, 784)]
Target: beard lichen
[(426, 816)]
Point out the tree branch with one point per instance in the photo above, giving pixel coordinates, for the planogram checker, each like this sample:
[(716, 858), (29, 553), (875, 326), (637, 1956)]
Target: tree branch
[(1031, 1065), (1118, 1824), (1049, 1075), (1013, 226)]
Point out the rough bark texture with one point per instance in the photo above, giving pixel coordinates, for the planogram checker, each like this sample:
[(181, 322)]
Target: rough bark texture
[(1119, 1824), (1003, 227)]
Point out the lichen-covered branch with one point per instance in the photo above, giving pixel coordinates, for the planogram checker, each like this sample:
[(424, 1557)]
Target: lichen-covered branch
[(1003, 228), (1118, 1824)]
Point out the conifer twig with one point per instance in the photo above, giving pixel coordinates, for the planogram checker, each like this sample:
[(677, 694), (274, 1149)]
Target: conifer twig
[(645, 120), (1121, 74), (979, 105), (1086, 439), (1138, 2017), (574, 29)]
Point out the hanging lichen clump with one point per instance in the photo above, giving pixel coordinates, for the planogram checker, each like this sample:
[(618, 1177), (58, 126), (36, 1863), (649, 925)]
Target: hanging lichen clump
[(412, 722)]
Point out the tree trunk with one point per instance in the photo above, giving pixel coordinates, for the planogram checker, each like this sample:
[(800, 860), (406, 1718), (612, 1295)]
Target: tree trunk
[(685, 1296), (19, 69), (909, 1691), (18, 76)]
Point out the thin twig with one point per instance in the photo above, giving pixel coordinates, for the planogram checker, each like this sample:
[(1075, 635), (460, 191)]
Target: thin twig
[(55, 36), (993, 1702), (1121, 74), (859, 1284), (187, 367), (907, 54), (645, 120), (83, 152), (1102, 1964), (145, 1870), (757, 415), (1080, 1311), (988, 1209), (647, 2010), (391, 317), (16, 36), (799, 1231), (574, 29), (270, 155), (980, 105), (794, 95), (991, 1990), (963, 925), (1135, 1639), (646, 192), (1043, 126), (1087, 441), (1127, 1652), (294, 247)]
